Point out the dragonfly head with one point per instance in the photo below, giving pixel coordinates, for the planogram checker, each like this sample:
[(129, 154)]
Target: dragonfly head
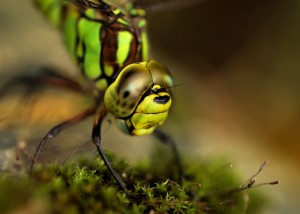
[(140, 97)]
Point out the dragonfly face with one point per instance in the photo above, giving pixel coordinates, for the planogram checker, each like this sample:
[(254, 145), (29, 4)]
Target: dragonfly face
[(140, 97)]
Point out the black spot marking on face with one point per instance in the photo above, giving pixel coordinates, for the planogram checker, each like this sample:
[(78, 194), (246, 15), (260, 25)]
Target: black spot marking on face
[(124, 104), (131, 105), (161, 99), (126, 94)]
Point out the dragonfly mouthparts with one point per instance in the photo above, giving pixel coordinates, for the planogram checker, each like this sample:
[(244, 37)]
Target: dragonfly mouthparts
[(161, 99)]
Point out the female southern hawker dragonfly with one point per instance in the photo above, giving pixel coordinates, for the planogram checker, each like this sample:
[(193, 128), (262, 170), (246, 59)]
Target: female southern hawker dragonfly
[(110, 45)]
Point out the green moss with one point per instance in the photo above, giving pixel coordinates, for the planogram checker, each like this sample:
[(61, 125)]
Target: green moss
[(87, 187)]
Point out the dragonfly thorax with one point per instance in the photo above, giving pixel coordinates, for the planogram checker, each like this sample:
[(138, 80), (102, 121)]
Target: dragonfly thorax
[(105, 46)]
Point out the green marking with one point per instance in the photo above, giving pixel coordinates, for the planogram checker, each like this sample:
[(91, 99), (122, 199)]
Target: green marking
[(142, 23), (51, 9), (89, 35), (124, 40), (69, 29), (117, 11), (79, 50), (137, 12), (145, 46), (91, 13), (101, 84), (108, 70), (123, 21)]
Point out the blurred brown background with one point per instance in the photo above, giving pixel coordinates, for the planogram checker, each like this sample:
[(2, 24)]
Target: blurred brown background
[(236, 64)]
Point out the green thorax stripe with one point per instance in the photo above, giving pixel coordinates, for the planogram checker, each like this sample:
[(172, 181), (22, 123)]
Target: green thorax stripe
[(101, 43), (89, 47)]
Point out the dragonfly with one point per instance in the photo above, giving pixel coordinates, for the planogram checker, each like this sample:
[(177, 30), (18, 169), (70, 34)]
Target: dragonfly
[(109, 43)]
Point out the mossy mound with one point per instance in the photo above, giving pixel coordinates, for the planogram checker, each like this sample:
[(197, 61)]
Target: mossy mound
[(153, 187)]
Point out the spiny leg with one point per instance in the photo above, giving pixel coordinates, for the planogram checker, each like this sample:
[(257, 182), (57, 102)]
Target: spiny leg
[(50, 77), (96, 137), (166, 139), (57, 129), (35, 82)]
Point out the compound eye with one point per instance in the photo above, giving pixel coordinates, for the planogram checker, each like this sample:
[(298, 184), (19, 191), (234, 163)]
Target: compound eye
[(132, 82), (160, 74)]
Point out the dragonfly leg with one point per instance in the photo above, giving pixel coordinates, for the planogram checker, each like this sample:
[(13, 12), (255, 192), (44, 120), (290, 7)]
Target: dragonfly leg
[(96, 137), (34, 82), (57, 129), (166, 139), (50, 77)]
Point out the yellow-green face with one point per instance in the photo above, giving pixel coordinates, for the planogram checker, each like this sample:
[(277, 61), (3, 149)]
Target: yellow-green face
[(140, 97)]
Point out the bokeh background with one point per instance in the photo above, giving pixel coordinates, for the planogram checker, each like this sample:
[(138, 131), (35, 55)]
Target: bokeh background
[(237, 70)]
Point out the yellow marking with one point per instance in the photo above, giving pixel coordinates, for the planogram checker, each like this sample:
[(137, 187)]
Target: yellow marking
[(124, 40), (69, 30), (145, 46), (101, 84), (89, 34), (108, 70)]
